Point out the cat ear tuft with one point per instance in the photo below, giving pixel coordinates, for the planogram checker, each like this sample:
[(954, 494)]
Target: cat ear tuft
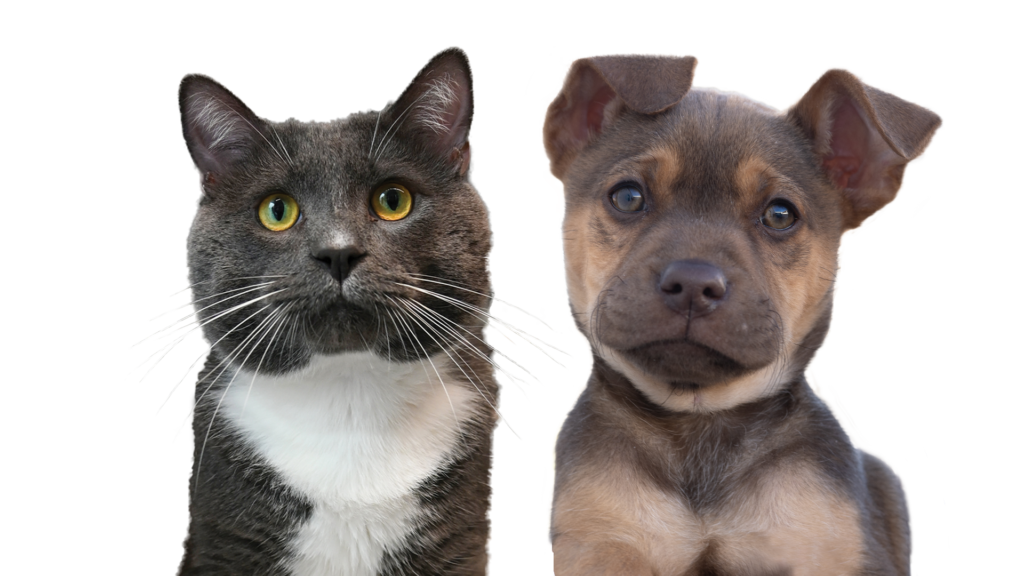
[(437, 108), (219, 129)]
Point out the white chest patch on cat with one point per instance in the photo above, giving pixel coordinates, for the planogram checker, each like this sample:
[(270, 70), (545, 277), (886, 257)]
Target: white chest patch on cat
[(355, 435)]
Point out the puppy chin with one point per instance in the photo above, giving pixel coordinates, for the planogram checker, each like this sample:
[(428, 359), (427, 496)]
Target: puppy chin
[(701, 396)]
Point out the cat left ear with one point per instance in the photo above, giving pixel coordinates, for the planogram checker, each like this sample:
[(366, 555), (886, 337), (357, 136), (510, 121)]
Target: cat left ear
[(219, 129), (435, 111)]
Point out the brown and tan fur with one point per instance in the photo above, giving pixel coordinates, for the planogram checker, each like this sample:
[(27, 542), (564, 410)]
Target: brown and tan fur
[(697, 448)]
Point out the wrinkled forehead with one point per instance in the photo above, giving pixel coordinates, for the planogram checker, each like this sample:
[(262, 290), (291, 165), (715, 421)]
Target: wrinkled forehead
[(703, 146)]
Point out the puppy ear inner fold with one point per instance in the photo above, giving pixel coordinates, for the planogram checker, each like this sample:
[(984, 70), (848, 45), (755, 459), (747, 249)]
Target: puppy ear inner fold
[(643, 84), (864, 139)]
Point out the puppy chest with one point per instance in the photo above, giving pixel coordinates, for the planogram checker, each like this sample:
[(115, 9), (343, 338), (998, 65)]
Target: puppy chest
[(788, 520)]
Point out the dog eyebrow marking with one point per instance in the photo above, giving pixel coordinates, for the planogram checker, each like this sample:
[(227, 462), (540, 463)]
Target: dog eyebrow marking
[(659, 170), (666, 168)]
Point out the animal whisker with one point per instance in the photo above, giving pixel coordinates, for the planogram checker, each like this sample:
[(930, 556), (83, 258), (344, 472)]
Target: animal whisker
[(436, 372), (225, 362), (430, 326), (456, 285), (167, 348), (263, 328), (374, 137), (472, 347), (194, 284), (281, 143), (193, 315), (483, 315), (282, 315), (401, 335), (193, 301), (196, 363), (396, 123)]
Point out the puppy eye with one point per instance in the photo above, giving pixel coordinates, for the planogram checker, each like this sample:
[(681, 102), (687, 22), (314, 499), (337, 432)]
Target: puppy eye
[(779, 216), (628, 199)]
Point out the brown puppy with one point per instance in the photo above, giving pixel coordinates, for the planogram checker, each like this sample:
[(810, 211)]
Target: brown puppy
[(701, 233)]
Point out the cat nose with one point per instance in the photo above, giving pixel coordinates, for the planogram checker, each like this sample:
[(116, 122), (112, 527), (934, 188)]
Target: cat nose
[(339, 260)]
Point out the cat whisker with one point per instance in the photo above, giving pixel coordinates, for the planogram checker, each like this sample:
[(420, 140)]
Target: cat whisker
[(387, 335), (512, 377), (166, 349), (427, 357), (515, 379), (201, 282), (230, 357), (283, 147), (456, 285), (401, 335), (435, 326), (290, 345), (194, 302), (397, 123), (193, 314), (483, 315), (285, 322), (281, 316), (374, 137), (432, 327), (263, 328), (196, 363)]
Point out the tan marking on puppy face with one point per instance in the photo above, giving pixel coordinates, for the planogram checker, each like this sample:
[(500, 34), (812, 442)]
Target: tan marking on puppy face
[(797, 290), (590, 261), (804, 293)]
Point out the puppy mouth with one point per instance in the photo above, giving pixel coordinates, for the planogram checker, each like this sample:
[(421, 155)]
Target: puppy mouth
[(684, 364)]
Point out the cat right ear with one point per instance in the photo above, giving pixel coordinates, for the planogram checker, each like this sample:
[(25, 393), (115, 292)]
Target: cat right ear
[(435, 111), (219, 129)]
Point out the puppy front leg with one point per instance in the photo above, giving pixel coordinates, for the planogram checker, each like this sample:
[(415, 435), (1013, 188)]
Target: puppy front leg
[(575, 558)]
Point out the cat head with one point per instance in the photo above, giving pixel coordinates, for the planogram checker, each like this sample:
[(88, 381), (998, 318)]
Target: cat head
[(357, 234)]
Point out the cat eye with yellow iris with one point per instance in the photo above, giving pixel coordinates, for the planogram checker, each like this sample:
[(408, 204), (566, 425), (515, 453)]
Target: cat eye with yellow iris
[(391, 202), (278, 212)]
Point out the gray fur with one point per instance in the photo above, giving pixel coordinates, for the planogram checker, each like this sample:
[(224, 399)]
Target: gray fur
[(267, 304)]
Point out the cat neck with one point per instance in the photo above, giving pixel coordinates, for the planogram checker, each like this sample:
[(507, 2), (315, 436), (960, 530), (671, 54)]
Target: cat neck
[(353, 428)]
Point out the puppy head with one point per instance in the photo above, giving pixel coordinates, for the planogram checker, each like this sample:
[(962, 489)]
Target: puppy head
[(701, 228)]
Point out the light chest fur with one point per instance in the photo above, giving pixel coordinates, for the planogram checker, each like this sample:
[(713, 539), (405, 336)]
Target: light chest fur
[(355, 435)]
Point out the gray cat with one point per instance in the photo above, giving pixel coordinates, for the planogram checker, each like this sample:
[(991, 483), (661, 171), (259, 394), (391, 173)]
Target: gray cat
[(343, 419)]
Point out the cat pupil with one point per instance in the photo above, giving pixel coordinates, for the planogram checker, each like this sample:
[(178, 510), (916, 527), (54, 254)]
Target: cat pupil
[(391, 198), (277, 208)]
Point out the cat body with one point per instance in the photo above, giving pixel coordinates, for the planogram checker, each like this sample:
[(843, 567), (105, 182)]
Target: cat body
[(343, 419)]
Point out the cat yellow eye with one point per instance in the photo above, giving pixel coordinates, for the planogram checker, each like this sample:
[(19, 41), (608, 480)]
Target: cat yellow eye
[(391, 202), (278, 212)]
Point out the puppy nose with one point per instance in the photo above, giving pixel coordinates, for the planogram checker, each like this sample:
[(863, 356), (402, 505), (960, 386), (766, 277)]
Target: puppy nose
[(693, 286), (339, 260)]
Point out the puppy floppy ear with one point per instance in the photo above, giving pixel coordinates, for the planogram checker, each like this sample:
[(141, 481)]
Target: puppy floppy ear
[(644, 84), (864, 139)]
